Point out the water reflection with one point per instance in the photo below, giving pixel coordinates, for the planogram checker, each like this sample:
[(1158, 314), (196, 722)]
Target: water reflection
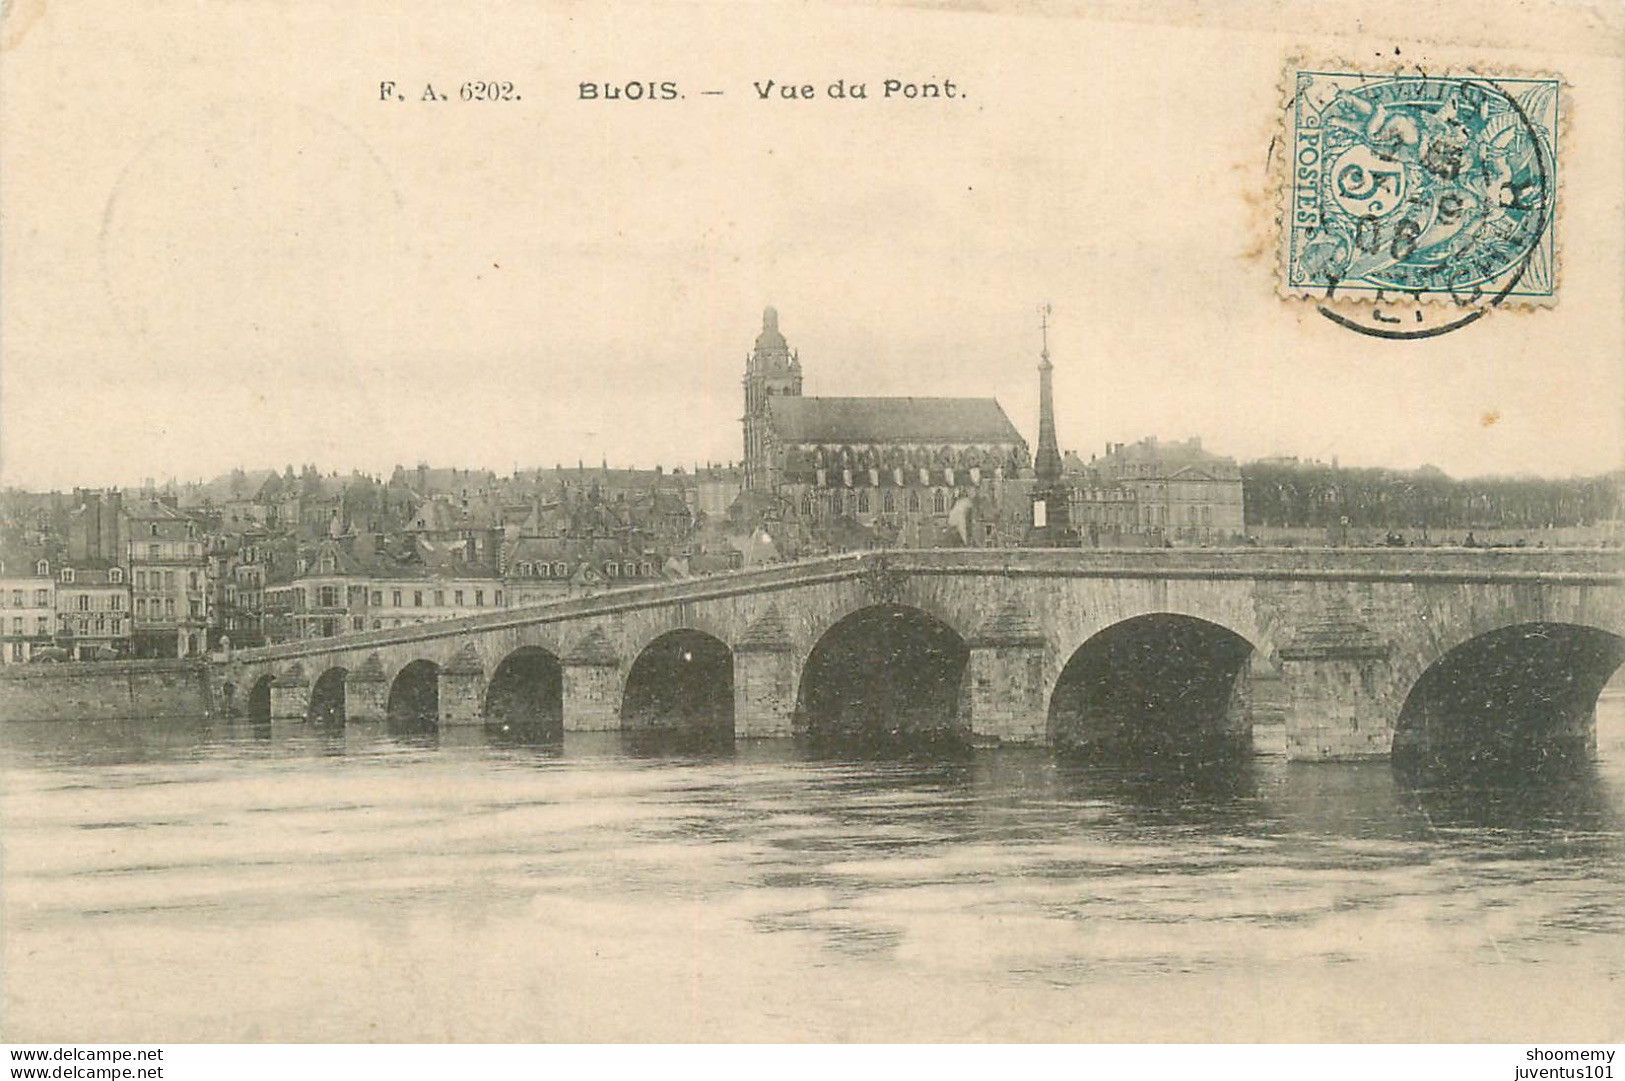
[(1001, 893)]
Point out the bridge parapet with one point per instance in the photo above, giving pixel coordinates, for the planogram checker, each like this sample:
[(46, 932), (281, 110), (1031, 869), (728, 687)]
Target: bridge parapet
[(1438, 565), (1350, 630)]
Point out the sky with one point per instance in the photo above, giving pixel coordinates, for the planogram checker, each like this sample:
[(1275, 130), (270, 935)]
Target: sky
[(219, 247)]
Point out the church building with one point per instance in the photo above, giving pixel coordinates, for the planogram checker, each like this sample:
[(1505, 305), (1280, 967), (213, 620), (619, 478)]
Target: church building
[(865, 472)]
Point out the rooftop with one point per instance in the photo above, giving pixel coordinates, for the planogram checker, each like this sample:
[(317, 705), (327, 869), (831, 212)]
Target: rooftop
[(891, 420)]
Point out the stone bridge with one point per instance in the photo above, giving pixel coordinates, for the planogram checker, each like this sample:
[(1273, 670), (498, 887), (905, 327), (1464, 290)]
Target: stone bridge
[(1360, 652)]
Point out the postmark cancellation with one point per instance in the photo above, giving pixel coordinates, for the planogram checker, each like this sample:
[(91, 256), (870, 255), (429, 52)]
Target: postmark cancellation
[(1417, 188)]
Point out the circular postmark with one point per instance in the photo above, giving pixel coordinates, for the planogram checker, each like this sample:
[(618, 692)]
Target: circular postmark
[(1427, 199)]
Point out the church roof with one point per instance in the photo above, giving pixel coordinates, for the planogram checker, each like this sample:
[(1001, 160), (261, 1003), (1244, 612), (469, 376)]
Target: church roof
[(891, 420)]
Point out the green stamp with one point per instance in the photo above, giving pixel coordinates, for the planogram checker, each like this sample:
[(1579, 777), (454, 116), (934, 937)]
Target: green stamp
[(1413, 189)]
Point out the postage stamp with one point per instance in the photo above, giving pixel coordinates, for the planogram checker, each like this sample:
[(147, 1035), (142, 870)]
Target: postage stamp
[(1418, 189)]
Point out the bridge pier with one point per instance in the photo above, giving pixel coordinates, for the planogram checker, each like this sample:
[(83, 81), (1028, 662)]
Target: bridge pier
[(1007, 694), (765, 680), (592, 686), (290, 695), (1334, 672), (1006, 679), (461, 689), (366, 693)]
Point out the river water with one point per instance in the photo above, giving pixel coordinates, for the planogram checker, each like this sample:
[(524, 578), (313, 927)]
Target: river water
[(177, 881)]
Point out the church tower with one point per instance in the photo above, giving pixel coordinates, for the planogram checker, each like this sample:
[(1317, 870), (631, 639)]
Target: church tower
[(1051, 499), (770, 370)]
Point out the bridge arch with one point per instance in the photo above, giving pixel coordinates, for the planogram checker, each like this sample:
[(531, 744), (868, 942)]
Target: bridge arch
[(884, 672), (259, 700), (835, 604), (1163, 683), (414, 698), (681, 679), (526, 692), (1517, 697), (326, 706), (644, 633)]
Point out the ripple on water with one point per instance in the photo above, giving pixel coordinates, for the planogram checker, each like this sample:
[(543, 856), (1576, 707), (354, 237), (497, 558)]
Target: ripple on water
[(998, 890)]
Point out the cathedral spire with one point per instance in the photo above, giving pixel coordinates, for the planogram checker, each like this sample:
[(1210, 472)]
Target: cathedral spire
[(1047, 461)]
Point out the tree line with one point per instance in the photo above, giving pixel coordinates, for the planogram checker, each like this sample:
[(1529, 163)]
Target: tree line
[(1312, 496)]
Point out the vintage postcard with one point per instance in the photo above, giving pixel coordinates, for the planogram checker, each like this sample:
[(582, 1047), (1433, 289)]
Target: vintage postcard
[(865, 522)]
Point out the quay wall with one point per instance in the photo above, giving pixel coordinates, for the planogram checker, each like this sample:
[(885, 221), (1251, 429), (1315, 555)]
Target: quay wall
[(104, 690)]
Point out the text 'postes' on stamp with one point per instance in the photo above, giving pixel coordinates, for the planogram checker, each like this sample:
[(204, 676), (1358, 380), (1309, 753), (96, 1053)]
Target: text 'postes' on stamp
[(1409, 190)]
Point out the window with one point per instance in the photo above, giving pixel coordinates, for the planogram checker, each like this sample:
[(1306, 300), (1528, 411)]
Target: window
[(16, 651), (863, 501), (42, 598), (67, 575), (191, 581), (116, 575), (42, 568), (169, 606), (396, 600), (612, 569), (152, 550), (560, 570), (457, 598), (439, 598), (152, 531), (84, 602), (377, 624), (630, 569), (417, 598), (117, 623), (141, 579), (377, 598), (101, 624), (647, 570), (16, 598), (497, 600), (888, 501), (17, 625), (914, 500), (525, 570), (939, 501), (479, 598), (42, 625), (196, 607), (327, 597), (169, 579), (543, 570), (837, 501), (358, 623), (141, 607)]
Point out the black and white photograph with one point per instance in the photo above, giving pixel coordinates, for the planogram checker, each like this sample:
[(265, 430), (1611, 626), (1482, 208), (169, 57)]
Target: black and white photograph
[(865, 523)]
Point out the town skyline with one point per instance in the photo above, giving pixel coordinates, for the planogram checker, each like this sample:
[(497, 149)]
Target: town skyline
[(35, 472)]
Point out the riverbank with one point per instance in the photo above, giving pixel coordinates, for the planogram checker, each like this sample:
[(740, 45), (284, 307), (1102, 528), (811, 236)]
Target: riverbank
[(104, 690)]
